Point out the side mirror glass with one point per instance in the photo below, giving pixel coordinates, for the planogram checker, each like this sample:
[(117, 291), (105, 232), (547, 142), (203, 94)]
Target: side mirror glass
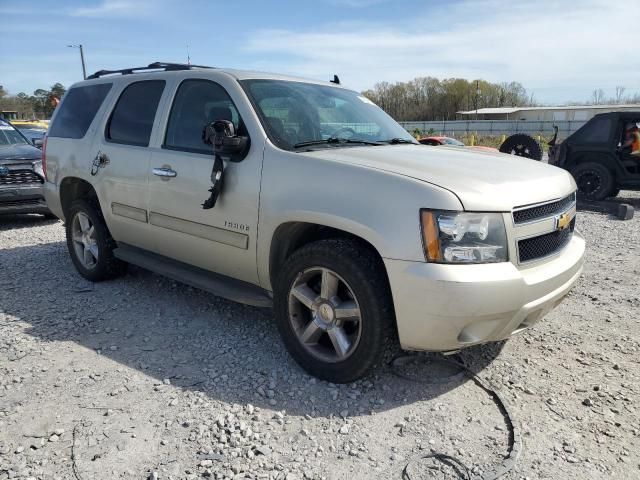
[(221, 134)]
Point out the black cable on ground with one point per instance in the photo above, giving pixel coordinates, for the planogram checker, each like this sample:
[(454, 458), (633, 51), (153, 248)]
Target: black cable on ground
[(515, 442)]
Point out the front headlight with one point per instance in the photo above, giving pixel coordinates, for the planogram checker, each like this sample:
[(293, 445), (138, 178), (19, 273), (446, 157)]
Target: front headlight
[(463, 237)]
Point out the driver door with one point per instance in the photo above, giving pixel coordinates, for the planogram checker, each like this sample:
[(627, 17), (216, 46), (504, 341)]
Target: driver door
[(221, 239)]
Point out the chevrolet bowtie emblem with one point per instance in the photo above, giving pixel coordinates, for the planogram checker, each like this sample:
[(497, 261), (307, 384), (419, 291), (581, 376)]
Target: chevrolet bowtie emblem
[(563, 221)]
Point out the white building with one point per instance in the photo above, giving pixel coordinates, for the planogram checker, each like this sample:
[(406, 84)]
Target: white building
[(573, 112)]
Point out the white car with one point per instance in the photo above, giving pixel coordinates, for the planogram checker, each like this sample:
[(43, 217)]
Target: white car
[(301, 194)]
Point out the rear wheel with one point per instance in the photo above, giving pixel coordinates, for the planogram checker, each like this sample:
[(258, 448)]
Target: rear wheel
[(90, 244), (594, 181), (334, 309)]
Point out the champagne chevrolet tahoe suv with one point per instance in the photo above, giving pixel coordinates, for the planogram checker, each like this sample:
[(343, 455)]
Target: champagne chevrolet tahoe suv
[(305, 196)]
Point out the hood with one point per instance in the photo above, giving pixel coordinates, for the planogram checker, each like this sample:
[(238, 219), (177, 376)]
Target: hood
[(482, 180), (20, 152)]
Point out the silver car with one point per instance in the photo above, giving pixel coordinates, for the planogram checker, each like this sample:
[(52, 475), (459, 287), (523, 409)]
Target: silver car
[(303, 195)]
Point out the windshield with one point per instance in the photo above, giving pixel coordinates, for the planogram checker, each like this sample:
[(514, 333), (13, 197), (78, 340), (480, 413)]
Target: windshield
[(453, 141), (10, 136), (299, 115)]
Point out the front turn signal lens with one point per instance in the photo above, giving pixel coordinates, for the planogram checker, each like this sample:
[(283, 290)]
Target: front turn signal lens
[(430, 236)]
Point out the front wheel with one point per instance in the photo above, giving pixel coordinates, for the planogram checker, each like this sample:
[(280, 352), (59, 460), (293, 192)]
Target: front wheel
[(334, 310), (594, 181)]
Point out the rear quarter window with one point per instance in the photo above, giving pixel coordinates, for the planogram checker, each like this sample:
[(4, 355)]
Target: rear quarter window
[(78, 110)]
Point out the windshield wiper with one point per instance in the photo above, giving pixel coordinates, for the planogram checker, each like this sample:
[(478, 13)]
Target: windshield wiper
[(333, 141), (397, 140)]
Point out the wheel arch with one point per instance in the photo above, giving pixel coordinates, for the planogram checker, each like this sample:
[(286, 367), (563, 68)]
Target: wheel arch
[(72, 188), (292, 235), (604, 159)]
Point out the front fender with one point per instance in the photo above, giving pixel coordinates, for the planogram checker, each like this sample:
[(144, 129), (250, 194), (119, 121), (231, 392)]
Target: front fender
[(380, 207)]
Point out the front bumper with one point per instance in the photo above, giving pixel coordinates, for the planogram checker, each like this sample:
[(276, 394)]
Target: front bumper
[(23, 199), (448, 307)]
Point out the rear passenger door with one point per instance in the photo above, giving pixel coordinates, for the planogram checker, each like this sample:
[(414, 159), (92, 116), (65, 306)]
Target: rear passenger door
[(121, 161), (221, 239)]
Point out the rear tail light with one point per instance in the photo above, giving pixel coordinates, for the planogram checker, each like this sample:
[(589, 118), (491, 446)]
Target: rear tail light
[(44, 156)]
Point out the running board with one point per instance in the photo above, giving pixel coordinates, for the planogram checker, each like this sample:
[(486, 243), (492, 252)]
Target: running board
[(219, 285)]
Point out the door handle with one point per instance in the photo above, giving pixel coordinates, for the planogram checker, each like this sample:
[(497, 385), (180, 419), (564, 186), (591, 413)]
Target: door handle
[(165, 172)]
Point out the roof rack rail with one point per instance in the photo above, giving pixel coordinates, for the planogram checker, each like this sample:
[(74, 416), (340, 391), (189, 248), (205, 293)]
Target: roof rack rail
[(165, 66)]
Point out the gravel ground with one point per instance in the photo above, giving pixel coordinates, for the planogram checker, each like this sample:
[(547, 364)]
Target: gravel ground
[(145, 378)]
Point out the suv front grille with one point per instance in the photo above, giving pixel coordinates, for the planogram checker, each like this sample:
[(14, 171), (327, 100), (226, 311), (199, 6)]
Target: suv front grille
[(544, 245), (546, 210), (20, 177)]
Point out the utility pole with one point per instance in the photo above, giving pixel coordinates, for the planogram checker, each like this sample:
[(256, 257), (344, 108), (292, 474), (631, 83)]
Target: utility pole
[(84, 68), (477, 95)]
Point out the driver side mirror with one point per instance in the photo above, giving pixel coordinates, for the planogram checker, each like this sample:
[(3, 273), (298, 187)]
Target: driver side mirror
[(221, 134)]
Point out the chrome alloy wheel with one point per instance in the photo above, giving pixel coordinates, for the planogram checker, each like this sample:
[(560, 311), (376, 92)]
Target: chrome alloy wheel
[(84, 240), (325, 314)]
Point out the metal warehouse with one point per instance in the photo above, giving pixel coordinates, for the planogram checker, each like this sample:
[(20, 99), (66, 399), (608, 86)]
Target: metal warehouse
[(564, 113)]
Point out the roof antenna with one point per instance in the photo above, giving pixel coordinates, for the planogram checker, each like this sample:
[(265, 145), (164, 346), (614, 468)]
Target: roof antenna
[(188, 56), (335, 80)]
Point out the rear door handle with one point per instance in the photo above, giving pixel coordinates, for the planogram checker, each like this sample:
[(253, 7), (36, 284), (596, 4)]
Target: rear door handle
[(165, 172)]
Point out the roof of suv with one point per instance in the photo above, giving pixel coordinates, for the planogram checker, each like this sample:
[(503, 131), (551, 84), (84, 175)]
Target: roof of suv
[(176, 68)]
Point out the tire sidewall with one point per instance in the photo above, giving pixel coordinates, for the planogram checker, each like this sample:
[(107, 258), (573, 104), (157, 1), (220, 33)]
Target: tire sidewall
[(535, 149), (371, 344)]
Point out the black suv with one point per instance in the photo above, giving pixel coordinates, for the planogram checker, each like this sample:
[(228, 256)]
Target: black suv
[(21, 174), (596, 158)]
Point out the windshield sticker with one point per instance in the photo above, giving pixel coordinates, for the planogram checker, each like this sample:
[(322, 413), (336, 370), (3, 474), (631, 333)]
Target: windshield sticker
[(365, 100)]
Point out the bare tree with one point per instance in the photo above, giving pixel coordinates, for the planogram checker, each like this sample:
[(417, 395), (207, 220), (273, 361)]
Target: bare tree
[(429, 98), (598, 96), (619, 94)]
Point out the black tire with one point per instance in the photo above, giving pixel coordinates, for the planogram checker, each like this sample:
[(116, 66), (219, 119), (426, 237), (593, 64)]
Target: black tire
[(594, 180), (522, 145), (107, 266), (614, 193), (363, 272)]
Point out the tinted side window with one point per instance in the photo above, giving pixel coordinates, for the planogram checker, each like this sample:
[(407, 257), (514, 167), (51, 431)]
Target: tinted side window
[(198, 103), (133, 115), (597, 130), (78, 108)]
